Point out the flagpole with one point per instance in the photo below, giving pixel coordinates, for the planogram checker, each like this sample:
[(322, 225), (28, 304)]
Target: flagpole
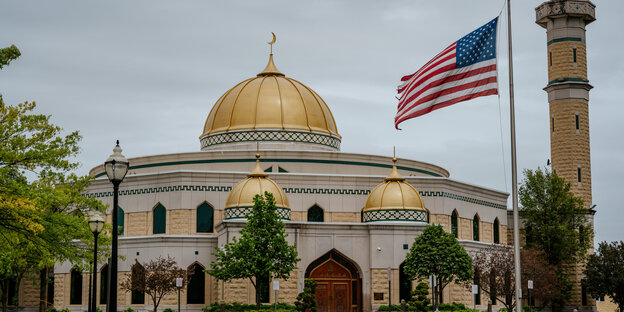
[(514, 170)]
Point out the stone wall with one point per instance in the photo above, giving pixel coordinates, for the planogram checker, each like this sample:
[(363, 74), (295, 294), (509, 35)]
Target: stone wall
[(563, 65)]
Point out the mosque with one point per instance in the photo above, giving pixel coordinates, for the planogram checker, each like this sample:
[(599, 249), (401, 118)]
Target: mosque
[(353, 217)]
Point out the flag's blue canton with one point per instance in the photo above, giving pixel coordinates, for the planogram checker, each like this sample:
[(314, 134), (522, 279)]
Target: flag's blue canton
[(477, 46)]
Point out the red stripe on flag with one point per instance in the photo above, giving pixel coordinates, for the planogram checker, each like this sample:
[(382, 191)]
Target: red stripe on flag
[(447, 79), (420, 77), (444, 104)]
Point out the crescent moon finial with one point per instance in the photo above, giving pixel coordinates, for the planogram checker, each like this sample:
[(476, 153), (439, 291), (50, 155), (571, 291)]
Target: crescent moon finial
[(272, 42)]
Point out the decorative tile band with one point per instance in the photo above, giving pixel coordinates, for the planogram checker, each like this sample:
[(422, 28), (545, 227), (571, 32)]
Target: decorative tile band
[(241, 212), (270, 135), (288, 190), (396, 215)]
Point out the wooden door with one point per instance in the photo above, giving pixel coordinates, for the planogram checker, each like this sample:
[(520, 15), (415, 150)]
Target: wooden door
[(341, 299), (322, 297), (333, 291)]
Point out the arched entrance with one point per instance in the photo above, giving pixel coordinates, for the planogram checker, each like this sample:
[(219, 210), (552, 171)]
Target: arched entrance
[(339, 285)]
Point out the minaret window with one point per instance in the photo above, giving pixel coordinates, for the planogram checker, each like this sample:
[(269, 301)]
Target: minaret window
[(578, 173), (574, 55), (576, 118), (550, 58), (552, 123)]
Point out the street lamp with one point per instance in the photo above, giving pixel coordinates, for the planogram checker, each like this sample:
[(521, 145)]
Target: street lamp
[(116, 167), (96, 224)]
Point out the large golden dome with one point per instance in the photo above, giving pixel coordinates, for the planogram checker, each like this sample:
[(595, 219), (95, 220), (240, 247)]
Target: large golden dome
[(395, 200), (240, 198), (270, 108)]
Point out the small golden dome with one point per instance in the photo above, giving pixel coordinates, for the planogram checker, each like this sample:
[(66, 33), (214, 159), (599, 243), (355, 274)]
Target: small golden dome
[(257, 182), (270, 107), (395, 200)]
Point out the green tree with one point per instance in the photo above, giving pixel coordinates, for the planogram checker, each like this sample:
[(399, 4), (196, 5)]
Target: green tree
[(553, 217), (306, 300), (604, 273), (438, 253), (420, 297), (555, 222), (42, 210), (260, 251)]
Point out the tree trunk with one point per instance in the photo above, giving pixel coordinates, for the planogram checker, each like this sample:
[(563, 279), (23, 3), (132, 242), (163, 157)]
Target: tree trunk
[(155, 304), (43, 290), (4, 286), (257, 293)]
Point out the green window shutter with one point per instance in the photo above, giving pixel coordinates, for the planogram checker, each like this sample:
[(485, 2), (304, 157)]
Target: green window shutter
[(454, 224), (475, 228), (195, 287), (160, 219), (103, 284), (75, 293), (496, 231), (120, 221), (205, 218), (315, 214)]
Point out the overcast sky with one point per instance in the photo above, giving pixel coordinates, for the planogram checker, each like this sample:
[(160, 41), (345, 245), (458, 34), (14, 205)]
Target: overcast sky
[(148, 72)]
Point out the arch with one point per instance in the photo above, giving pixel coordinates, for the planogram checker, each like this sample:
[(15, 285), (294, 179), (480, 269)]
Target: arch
[(496, 228), (196, 289), (120, 221), (405, 284), (75, 291), (159, 219), (475, 227), (138, 276), (103, 284), (205, 218), (316, 214), (454, 222), (337, 277)]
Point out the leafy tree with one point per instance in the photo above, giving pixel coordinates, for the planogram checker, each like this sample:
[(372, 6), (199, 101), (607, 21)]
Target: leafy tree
[(306, 300), (42, 210), (438, 253), (157, 279), (555, 222), (420, 297), (260, 251), (604, 273), (494, 269)]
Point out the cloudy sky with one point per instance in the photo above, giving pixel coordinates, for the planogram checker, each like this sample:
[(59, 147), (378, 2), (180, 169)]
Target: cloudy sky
[(148, 72)]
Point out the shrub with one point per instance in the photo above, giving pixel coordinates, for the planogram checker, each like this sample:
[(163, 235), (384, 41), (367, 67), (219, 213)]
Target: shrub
[(97, 309), (237, 307), (306, 300), (420, 299), (128, 309), (169, 310)]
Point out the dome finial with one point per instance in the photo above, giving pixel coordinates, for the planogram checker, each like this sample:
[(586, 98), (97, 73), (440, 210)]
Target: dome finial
[(257, 171), (271, 69), (394, 174)]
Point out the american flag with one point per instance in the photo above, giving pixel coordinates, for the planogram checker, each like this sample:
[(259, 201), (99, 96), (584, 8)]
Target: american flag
[(464, 70)]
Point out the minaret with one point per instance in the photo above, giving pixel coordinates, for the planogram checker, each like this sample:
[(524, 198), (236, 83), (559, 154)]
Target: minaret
[(568, 98)]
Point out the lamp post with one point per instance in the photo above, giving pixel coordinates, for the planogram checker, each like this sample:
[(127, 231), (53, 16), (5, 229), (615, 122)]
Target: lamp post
[(116, 167), (96, 224), (179, 283)]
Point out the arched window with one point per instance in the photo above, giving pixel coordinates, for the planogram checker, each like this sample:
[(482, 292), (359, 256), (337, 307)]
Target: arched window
[(476, 281), (196, 286), (205, 218), (454, 229), (138, 277), (75, 292), (159, 219), (496, 231), (315, 214), (405, 284), (475, 228), (104, 284), (120, 221)]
